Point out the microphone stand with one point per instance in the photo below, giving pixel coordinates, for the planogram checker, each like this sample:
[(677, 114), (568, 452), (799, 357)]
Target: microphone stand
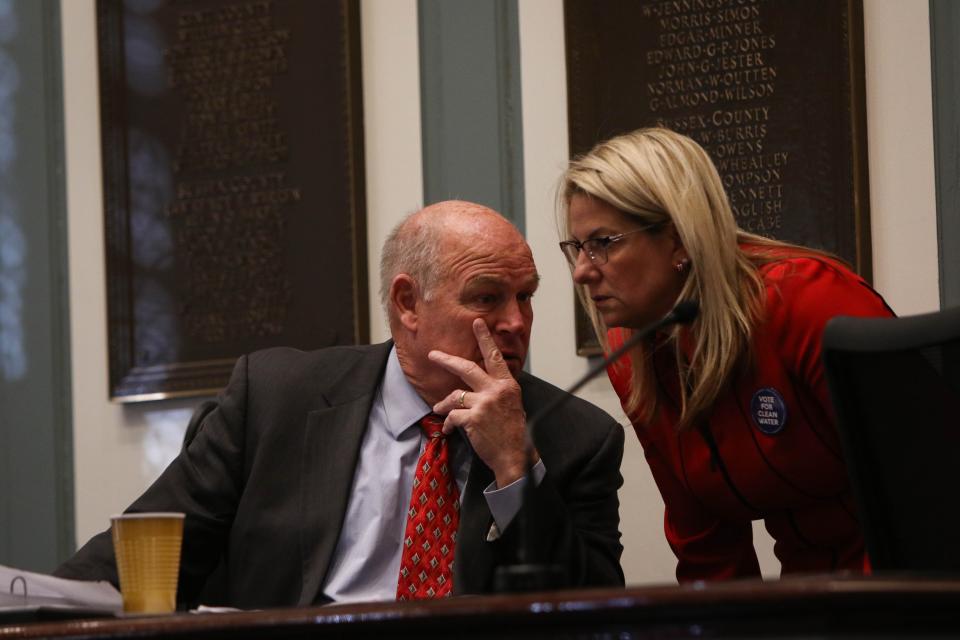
[(526, 575)]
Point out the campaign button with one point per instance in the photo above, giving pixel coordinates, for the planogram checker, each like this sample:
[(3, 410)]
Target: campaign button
[(768, 410)]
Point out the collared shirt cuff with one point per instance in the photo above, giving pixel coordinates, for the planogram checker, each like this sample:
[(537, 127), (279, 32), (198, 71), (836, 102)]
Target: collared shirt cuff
[(504, 503)]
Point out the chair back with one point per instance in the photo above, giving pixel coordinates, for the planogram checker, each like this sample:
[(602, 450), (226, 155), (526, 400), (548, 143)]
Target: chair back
[(895, 385)]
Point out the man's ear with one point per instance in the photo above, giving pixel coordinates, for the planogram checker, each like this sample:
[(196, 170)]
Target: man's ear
[(404, 296)]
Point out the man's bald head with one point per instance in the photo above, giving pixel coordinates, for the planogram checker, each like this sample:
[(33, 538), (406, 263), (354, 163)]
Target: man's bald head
[(443, 268), (418, 244)]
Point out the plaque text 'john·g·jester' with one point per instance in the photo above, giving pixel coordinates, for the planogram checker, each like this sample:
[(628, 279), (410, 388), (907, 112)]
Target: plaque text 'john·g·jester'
[(715, 62), (772, 89)]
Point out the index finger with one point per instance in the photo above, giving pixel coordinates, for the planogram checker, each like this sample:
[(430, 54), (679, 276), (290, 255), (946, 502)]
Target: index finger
[(493, 360), (467, 370)]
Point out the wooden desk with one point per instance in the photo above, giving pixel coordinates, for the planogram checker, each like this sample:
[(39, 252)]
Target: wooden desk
[(794, 607)]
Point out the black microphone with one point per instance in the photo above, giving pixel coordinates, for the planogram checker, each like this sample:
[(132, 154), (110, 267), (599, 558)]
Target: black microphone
[(527, 575), (683, 313)]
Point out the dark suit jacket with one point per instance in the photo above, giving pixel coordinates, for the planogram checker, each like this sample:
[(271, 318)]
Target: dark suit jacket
[(266, 479)]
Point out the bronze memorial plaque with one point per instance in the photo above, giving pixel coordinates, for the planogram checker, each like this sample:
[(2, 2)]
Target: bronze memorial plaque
[(233, 186), (772, 89)]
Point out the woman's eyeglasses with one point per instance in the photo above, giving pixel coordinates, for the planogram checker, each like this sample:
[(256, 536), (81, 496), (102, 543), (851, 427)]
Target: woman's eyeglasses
[(596, 248)]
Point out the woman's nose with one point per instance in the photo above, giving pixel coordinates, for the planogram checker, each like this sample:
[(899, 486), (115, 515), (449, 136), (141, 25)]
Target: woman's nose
[(584, 270)]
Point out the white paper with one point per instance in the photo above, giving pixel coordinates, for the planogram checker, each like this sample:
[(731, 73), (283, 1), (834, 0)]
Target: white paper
[(206, 609), (28, 589)]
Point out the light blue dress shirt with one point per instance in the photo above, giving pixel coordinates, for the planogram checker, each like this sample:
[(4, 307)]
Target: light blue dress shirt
[(366, 560)]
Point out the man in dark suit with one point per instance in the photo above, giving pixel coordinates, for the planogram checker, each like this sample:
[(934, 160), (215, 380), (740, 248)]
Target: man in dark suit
[(297, 484)]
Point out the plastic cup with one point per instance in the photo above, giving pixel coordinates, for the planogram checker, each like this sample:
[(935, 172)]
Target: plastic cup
[(147, 549)]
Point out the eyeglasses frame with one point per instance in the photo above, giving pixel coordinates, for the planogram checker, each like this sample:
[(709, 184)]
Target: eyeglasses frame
[(602, 245)]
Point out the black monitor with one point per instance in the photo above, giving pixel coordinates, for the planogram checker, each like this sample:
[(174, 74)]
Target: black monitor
[(895, 385)]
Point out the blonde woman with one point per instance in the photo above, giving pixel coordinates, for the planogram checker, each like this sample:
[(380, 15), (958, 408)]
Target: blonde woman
[(732, 410)]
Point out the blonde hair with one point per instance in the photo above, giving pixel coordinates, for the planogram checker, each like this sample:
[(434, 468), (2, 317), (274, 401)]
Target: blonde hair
[(666, 179)]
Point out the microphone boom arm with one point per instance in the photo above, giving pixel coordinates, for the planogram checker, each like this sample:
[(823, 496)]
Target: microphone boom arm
[(527, 575)]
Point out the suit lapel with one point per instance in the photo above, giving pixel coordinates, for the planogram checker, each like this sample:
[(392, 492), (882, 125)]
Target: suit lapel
[(473, 559), (332, 442)]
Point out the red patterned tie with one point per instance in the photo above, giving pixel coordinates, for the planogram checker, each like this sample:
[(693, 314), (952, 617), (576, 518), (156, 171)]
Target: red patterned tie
[(426, 567)]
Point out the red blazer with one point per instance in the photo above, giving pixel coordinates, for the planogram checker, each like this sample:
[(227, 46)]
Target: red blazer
[(768, 449)]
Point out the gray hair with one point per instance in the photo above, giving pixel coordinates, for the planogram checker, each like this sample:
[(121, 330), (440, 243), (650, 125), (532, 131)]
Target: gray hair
[(413, 247)]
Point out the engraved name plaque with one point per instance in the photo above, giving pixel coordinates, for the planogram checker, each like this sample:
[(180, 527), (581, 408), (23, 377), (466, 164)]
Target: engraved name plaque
[(233, 186), (773, 90)]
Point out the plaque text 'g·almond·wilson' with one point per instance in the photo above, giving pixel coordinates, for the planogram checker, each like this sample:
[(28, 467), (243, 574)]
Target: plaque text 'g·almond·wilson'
[(772, 89), (712, 62)]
